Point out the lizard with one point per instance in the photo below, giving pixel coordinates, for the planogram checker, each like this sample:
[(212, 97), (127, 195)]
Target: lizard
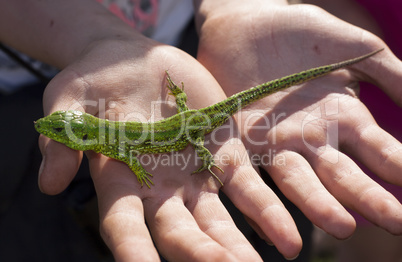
[(125, 141)]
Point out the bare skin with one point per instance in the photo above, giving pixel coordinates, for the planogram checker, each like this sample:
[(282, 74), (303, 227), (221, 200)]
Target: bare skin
[(369, 243), (128, 69), (271, 50), (113, 62)]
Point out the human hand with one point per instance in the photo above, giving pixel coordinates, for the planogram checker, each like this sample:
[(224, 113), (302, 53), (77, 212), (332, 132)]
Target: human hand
[(110, 71), (121, 80), (308, 132)]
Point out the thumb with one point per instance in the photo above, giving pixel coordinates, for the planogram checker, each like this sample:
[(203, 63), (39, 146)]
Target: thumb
[(385, 71), (59, 163), (59, 166)]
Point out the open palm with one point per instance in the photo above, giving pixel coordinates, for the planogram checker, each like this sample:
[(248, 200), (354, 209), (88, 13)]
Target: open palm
[(307, 132)]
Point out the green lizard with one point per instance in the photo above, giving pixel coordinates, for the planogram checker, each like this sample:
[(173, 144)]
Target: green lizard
[(124, 141)]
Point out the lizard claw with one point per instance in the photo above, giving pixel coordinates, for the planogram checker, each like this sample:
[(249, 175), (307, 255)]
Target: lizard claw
[(214, 175), (145, 178), (209, 166)]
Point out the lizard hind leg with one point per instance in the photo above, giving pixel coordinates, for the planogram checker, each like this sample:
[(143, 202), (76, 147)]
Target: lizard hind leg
[(178, 93), (206, 157)]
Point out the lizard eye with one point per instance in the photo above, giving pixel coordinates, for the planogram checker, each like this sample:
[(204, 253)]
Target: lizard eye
[(58, 129), (85, 137)]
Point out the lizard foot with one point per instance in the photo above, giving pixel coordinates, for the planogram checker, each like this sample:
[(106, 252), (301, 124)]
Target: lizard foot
[(144, 177), (209, 166)]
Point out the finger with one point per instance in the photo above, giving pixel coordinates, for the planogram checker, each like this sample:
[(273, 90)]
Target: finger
[(177, 235), (347, 182), (383, 70), (122, 223), (257, 201), (376, 149), (213, 219), (299, 183), (59, 166)]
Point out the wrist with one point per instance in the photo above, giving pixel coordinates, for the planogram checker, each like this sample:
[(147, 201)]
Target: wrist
[(207, 9), (57, 32), (74, 41)]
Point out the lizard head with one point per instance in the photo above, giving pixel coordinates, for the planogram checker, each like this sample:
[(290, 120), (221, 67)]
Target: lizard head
[(75, 129)]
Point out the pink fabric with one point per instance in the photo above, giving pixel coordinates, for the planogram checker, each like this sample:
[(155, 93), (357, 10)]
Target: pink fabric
[(388, 14), (132, 13)]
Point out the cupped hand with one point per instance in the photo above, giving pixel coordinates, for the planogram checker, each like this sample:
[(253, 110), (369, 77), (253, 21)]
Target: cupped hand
[(125, 80), (307, 133)]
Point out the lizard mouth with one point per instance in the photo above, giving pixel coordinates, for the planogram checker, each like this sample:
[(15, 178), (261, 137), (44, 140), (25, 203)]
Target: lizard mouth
[(36, 125)]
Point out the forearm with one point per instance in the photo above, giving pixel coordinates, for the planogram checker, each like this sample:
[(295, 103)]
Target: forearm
[(57, 31), (207, 8)]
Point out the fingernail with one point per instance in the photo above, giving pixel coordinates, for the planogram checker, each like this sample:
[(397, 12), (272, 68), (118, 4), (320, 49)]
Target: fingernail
[(293, 258), (42, 166)]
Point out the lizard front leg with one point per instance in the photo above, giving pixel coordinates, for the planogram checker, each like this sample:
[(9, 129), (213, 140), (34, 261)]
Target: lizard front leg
[(134, 164), (178, 93)]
